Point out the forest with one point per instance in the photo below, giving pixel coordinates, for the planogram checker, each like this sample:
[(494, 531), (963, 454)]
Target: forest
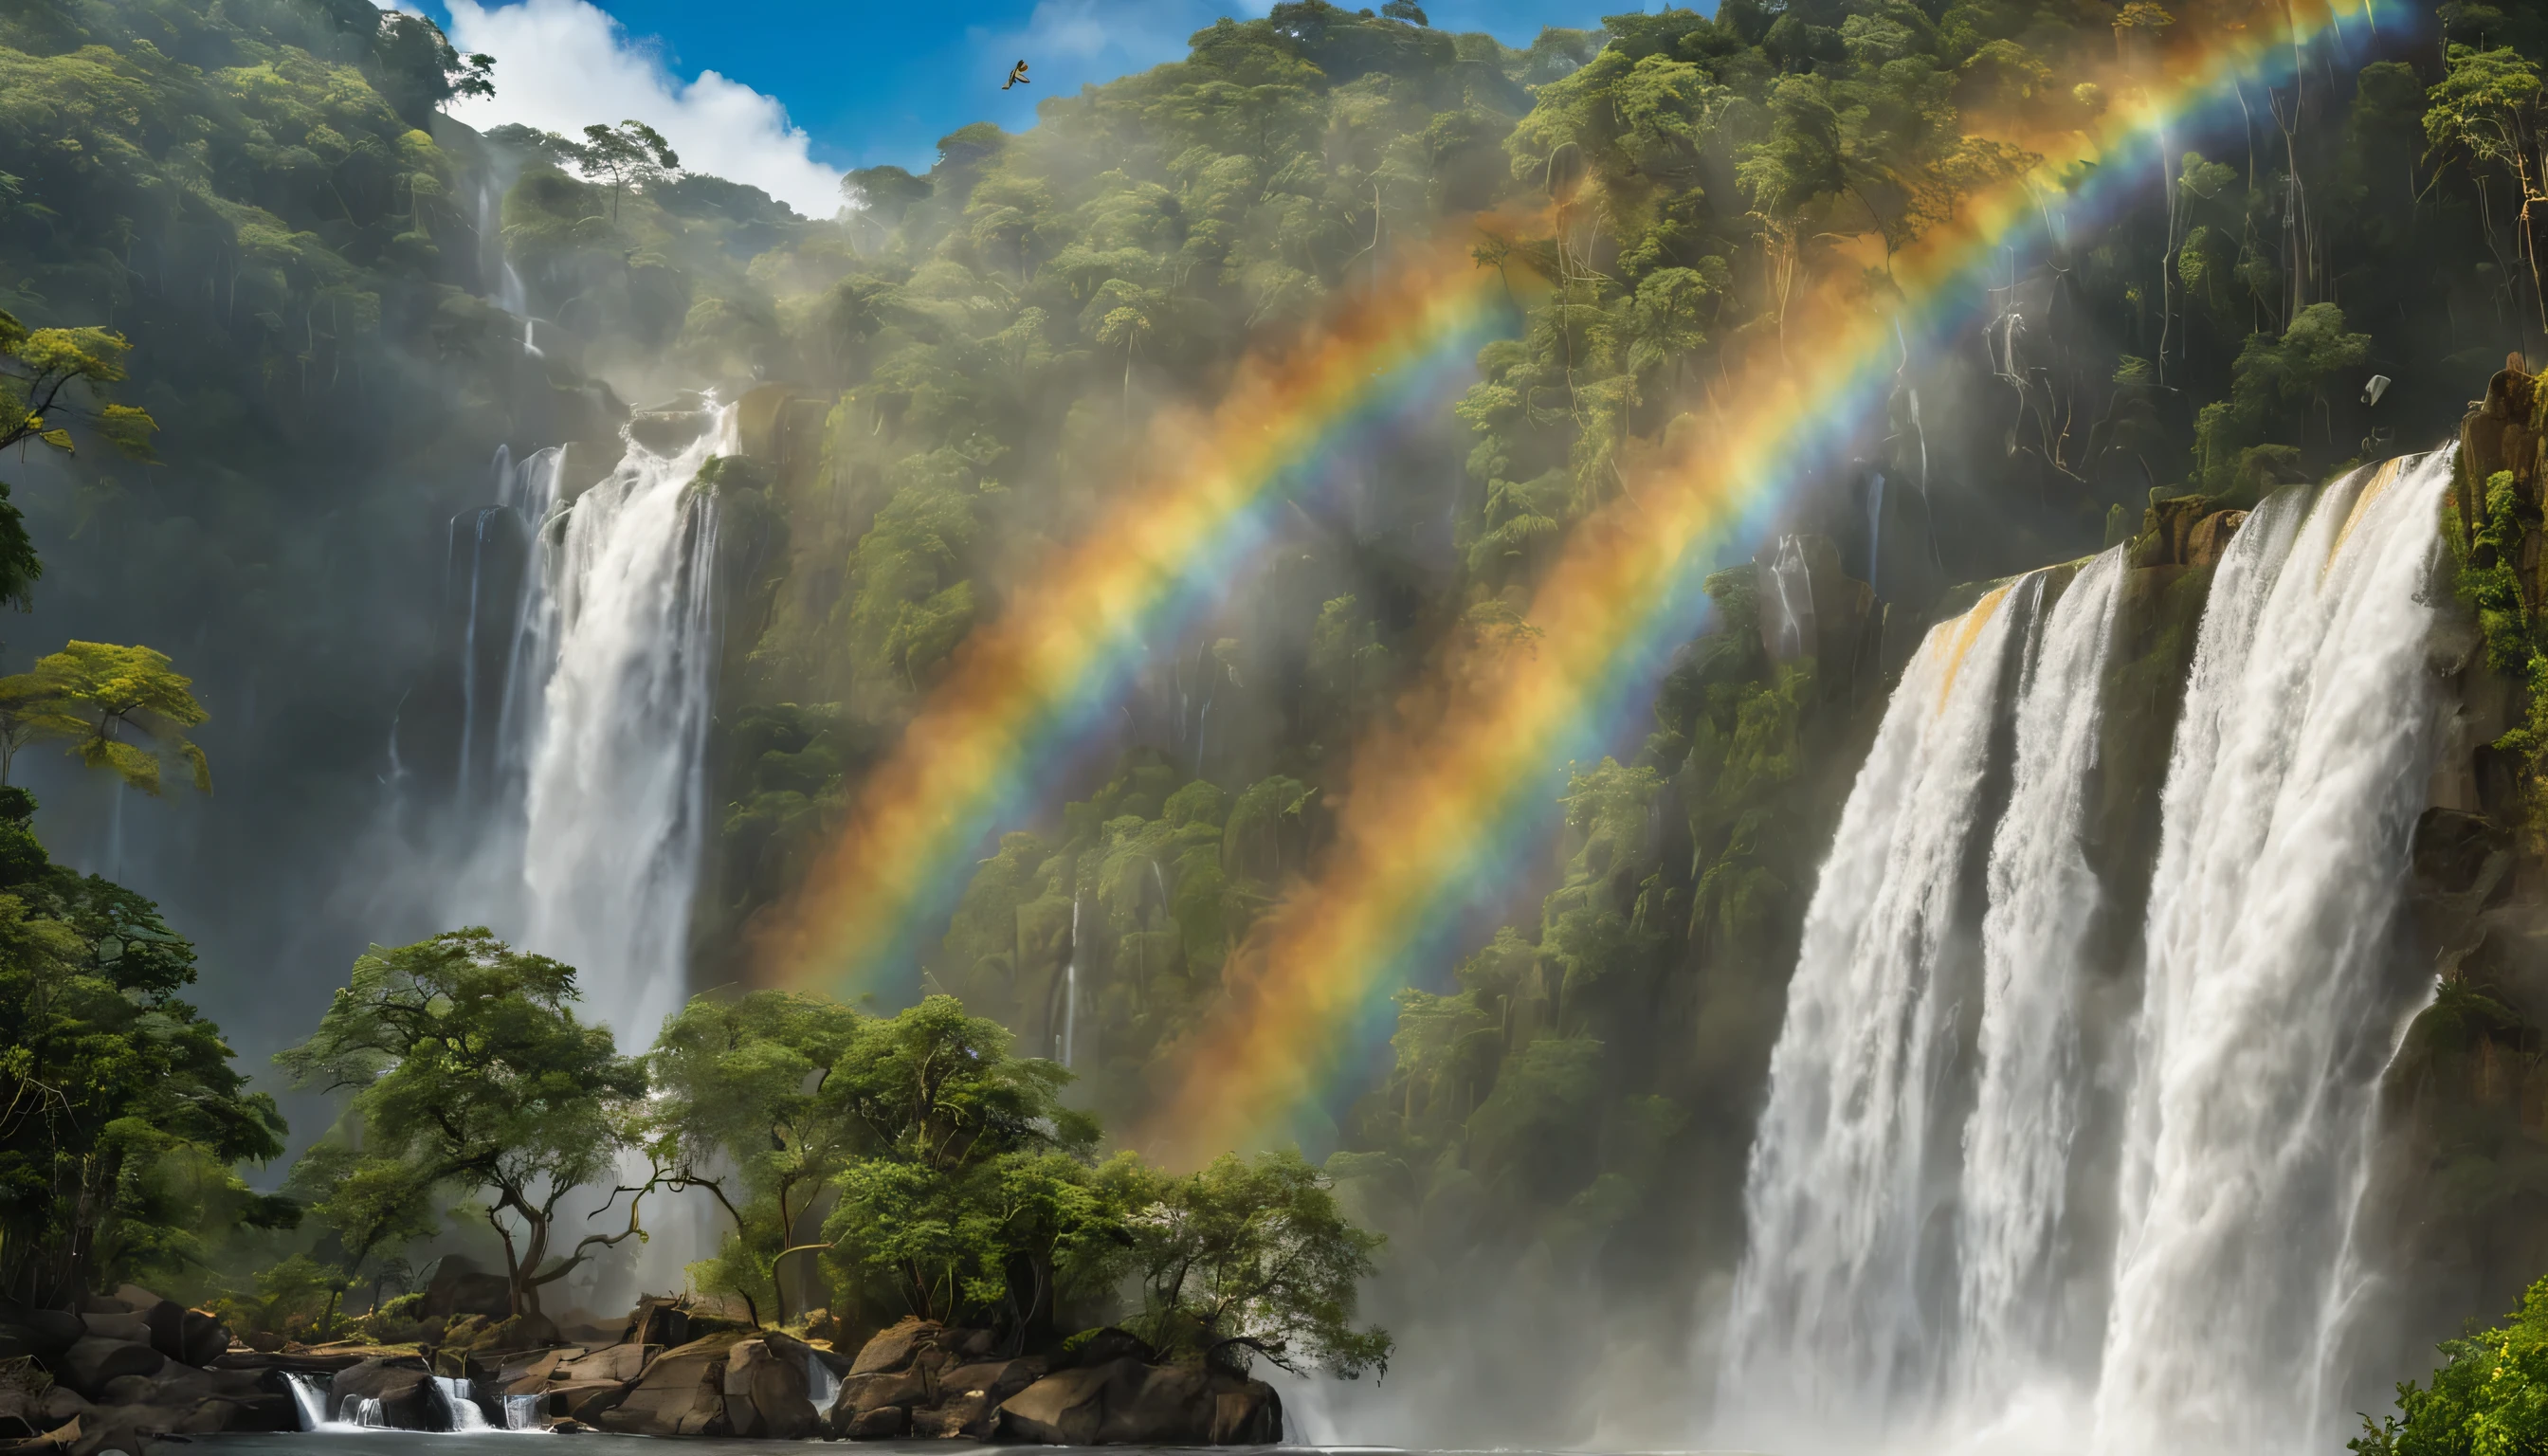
[(266, 312)]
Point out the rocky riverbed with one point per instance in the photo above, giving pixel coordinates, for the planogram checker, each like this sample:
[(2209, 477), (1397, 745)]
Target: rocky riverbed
[(123, 1370)]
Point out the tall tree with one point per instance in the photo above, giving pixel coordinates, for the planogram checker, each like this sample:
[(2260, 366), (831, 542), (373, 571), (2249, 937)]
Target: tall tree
[(468, 1066), (747, 1085), (631, 154)]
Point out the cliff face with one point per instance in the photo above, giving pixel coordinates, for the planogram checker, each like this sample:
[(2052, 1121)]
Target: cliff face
[(2463, 1187)]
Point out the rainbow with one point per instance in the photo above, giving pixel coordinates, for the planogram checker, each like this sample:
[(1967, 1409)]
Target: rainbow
[(1024, 689), (1440, 804)]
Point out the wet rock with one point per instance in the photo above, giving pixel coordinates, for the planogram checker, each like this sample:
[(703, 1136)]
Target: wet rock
[(766, 1395), (1125, 1401), (893, 1348), (2210, 538), (864, 1393), (884, 1424), (402, 1385), (973, 1416), (997, 1378), (1069, 1408), (682, 1393)]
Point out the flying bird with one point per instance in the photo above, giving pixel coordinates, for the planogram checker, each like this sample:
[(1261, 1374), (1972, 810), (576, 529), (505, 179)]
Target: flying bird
[(1017, 76)]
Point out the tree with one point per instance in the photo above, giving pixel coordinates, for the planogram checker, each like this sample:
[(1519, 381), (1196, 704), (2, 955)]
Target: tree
[(121, 1114), (970, 1194), (747, 1085), (631, 154), (2487, 109), (50, 378), (1255, 1256), (1406, 10), (2489, 1394), (372, 1207), (125, 708), (468, 1067)]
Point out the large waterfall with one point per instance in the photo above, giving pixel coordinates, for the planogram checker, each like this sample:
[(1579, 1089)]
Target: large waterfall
[(583, 690), (2006, 1195), (614, 806)]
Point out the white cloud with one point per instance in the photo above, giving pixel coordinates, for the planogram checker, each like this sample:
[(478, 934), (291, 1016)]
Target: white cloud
[(562, 64)]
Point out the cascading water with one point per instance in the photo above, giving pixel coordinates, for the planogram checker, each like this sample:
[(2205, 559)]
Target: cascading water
[(1787, 601), (460, 1399), (309, 1400), (1827, 1316), (2168, 1274), (613, 806), (2273, 999), (2042, 897)]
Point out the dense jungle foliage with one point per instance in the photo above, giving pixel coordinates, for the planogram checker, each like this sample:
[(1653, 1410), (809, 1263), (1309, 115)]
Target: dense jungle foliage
[(338, 303)]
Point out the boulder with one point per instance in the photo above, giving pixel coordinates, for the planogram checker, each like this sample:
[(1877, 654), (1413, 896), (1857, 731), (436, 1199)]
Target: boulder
[(971, 1416), (582, 1399), (47, 1332), (682, 1393), (93, 1360), (1125, 1401), (996, 1378), (1069, 1408), (766, 1395), (893, 1348), (1097, 1346), (864, 1392), (884, 1423), (60, 1442), (611, 1362), (402, 1385)]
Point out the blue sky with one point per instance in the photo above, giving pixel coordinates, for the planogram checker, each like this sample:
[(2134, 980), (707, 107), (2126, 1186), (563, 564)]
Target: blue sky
[(788, 93)]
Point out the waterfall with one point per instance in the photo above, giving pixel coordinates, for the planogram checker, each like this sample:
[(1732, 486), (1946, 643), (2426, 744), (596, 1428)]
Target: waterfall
[(613, 811), (309, 1400), (1070, 985), (1990, 1203), (1786, 589), (460, 1398), (2272, 998), (2042, 896), (1827, 1320), (522, 1413), (822, 1387)]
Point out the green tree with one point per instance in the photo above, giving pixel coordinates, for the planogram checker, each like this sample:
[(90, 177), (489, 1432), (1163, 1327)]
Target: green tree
[(2488, 113), (467, 1066), (121, 1112), (748, 1086), (50, 378), (1254, 1257), (629, 155), (968, 1196), (125, 708), (372, 1207), (2489, 1398)]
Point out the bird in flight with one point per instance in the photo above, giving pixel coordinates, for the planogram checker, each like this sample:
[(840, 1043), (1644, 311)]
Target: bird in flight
[(1017, 76)]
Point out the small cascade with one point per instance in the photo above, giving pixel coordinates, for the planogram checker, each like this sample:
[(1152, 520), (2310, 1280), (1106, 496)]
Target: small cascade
[(1070, 987), (822, 1387), (1786, 589), (522, 1412), (460, 1398), (365, 1412), (309, 1400)]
